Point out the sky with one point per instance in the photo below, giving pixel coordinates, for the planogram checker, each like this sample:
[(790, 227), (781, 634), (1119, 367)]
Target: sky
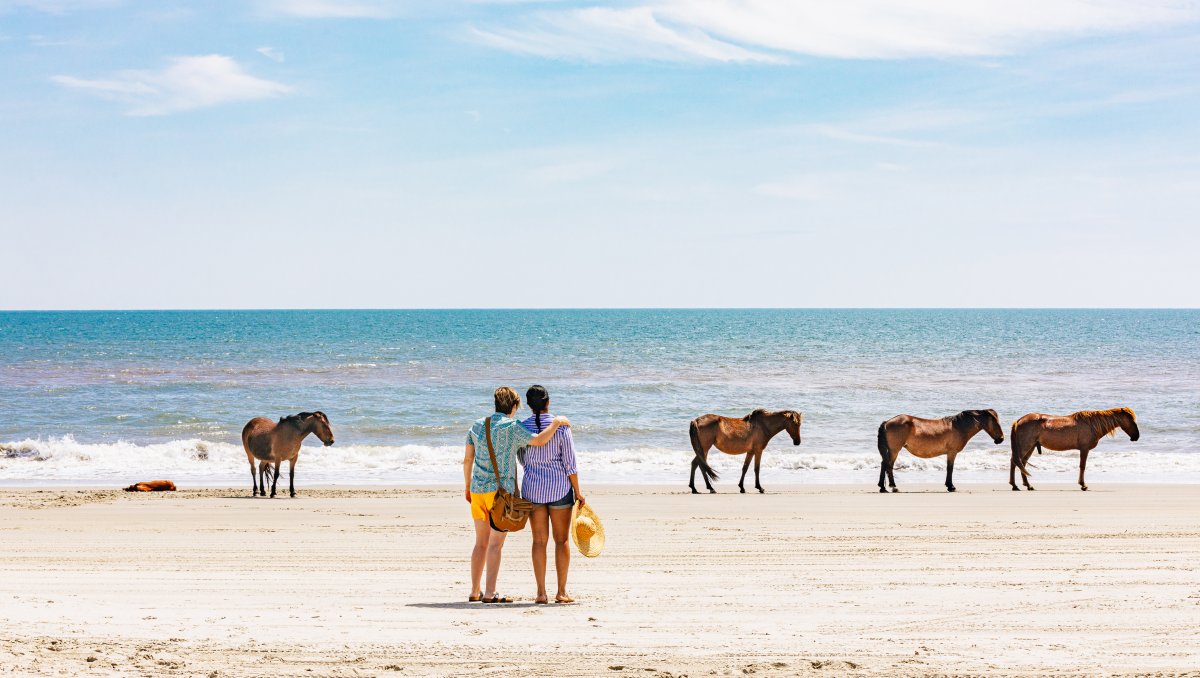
[(679, 153)]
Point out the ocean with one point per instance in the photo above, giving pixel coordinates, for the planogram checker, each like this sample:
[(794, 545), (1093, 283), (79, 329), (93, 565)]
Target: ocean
[(108, 398)]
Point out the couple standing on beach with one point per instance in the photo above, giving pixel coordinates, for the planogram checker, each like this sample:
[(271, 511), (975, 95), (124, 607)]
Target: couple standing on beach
[(544, 446)]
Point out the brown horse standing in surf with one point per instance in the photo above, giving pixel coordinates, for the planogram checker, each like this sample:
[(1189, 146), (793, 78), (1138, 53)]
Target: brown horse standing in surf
[(929, 438), (1079, 431), (272, 443), (748, 435)]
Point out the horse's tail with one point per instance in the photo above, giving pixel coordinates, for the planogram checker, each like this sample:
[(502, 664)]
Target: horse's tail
[(884, 451), (705, 470), (1015, 444)]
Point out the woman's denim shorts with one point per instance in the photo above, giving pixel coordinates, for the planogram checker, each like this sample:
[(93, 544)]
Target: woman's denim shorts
[(567, 501)]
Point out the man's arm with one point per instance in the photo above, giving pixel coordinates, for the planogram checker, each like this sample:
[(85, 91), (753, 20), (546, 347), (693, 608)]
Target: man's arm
[(468, 462), (545, 436)]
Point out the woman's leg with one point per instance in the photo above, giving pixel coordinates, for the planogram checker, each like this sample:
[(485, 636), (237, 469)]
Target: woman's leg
[(479, 554), (560, 520), (495, 545), (539, 522)]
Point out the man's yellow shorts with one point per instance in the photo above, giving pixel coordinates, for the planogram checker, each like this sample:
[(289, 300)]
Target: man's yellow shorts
[(481, 504)]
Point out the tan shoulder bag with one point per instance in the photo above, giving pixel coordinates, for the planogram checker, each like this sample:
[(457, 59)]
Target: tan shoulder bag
[(509, 512)]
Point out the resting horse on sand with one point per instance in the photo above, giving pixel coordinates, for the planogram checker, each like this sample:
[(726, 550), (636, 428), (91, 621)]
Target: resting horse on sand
[(929, 438), (1079, 431), (748, 435), (272, 443)]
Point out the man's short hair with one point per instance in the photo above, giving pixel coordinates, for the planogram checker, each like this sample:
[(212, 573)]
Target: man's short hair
[(506, 400)]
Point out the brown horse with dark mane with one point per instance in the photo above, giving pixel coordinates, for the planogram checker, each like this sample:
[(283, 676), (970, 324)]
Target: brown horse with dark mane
[(748, 435), (272, 443), (1079, 431), (929, 438)]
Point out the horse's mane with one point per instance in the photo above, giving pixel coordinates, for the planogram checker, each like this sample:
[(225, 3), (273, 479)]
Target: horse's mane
[(1104, 422), (761, 412), (296, 419), (963, 420)]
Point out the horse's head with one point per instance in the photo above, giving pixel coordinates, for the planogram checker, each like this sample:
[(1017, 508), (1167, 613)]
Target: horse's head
[(317, 424), (991, 424), (1128, 423), (792, 421)]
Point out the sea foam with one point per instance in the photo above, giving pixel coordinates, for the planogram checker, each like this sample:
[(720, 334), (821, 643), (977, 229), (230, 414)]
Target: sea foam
[(63, 460)]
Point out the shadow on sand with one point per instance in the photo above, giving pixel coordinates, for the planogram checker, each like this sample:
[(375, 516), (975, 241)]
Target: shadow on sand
[(464, 605)]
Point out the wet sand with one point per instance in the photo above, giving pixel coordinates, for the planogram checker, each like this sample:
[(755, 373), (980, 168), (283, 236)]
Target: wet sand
[(803, 580)]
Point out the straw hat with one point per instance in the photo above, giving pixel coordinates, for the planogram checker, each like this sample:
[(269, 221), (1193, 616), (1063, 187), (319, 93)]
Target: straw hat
[(586, 530)]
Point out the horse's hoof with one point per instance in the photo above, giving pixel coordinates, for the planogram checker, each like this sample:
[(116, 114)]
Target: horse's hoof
[(1083, 487), (950, 489), (695, 491), (761, 491), (882, 491), (292, 495), (895, 489), (742, 490), (1015, 488), (711, 491)]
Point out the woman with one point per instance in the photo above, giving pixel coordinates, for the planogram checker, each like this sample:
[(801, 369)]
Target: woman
[(507, 436), (551, 482)]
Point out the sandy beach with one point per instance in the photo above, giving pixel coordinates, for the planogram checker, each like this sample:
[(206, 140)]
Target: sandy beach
[(824, 579)]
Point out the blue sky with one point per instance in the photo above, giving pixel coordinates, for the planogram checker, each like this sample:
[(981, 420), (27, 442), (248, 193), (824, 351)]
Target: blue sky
[(376, 153)]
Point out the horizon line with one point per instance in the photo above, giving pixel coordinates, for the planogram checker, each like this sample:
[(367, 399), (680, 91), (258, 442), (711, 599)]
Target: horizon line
[(600, 308)]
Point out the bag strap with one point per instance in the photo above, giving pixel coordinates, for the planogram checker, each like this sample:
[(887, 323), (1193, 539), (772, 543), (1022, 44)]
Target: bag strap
[(492, 454)]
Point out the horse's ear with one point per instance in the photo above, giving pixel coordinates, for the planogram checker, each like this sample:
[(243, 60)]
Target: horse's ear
[(321, 414), (304, 415)]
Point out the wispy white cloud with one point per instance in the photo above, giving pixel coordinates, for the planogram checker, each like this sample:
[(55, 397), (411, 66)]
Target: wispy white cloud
[(605, 34), (271, 53), (332, 9), (55, 6), (747, 30), (185, 83)]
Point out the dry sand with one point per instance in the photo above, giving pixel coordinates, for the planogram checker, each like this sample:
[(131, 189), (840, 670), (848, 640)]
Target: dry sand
[(803, 580)]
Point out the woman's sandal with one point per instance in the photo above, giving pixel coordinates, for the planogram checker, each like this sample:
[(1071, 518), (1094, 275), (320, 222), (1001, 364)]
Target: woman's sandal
[(540, 601), (475, 599), (497, 598), (563, 601)]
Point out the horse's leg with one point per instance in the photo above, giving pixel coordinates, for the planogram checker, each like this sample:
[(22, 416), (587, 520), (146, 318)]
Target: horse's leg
[(292, 476), (707, 483), (1012, 468), (275, 479), (253, 479), (950, 472), (745, 467), (1025, 476), (1082, 466), (758, 462), (262, 478), (692, 481), (892, 465)]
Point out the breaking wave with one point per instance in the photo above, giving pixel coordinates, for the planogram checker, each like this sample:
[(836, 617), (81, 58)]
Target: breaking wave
[(63, 460)]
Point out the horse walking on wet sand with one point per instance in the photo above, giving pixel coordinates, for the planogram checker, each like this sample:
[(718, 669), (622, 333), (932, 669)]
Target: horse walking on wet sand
[(1078, 431), (748, 435), (272, 443), (929, 438)]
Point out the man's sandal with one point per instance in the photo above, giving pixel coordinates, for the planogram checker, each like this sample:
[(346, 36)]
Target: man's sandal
[(497, 598)]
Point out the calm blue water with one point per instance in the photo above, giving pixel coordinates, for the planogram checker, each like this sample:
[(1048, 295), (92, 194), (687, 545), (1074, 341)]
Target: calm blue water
[(105, 396)]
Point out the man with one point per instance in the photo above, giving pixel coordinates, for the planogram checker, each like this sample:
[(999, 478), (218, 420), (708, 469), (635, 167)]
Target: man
[(508, 436)]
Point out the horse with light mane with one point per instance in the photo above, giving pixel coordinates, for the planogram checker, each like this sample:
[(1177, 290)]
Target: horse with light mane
[(1077, 431), (929, 438), (272, 443), (748, 435)]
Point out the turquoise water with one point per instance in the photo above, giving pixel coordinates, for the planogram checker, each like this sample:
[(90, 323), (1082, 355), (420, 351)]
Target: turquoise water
[(93, 397)]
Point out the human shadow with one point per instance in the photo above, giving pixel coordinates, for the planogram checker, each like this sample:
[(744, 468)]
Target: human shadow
[(464, 605)]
